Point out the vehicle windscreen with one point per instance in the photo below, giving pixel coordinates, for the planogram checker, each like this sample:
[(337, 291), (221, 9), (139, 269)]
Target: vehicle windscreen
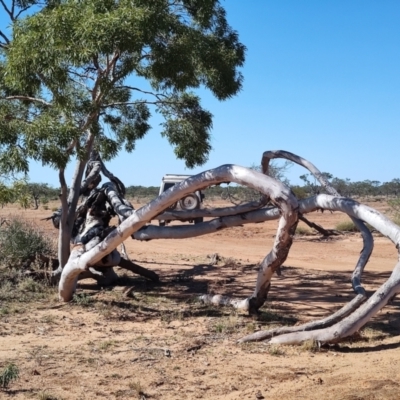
[(168, 185)]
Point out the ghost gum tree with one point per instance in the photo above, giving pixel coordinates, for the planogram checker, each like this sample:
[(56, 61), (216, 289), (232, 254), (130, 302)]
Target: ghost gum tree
[(77, 76), (66, 94)]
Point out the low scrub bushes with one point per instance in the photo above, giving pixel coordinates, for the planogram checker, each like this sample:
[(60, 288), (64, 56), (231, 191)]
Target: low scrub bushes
[(395, 206), (304, 231), (21, 241), (348, 226)]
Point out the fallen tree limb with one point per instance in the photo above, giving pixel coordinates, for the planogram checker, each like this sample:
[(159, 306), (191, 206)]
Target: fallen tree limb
[(210, 212), (368, 240), (279, 194), (352, 323), (309, 326), (95, 245)]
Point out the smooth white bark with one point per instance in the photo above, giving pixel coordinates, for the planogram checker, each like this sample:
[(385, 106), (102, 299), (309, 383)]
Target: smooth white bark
[(351, 317), (279, 194)]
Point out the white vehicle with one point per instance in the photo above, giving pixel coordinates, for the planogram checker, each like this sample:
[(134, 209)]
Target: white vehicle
[(190, 202)]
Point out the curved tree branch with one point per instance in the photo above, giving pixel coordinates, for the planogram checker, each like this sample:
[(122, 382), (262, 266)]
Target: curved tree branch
[(366, 234), (280, 195)]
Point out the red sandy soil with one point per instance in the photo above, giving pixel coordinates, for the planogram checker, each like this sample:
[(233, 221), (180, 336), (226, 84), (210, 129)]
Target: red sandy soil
[(158, 343)]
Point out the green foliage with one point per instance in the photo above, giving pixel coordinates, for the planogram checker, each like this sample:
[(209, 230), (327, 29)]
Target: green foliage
[(82, 299), (346, 226), (56, 99), (17, 288), (299, 192), (311, 345), (24, 193), (10, 373), (6, 194), (45, 395), (142, 191), (21, 240), (395, 206), (304, 231)]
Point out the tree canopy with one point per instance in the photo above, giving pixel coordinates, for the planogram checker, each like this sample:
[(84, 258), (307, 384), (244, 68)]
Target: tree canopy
[(79, 79), (81, 74)]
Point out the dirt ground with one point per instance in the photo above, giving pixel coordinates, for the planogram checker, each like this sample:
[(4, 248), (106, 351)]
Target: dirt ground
[(142, 340)]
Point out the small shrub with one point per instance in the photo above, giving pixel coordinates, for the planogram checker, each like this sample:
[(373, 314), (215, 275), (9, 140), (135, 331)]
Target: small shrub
[(226, 325), (6, 290), (15, 287), (106, 345), (346, 226), (395, 210), (30, 285), (20, 240), (82, 299), (137, 388), (304, 231), (310, 345), (10, 373), (44, 395), (275, 350)]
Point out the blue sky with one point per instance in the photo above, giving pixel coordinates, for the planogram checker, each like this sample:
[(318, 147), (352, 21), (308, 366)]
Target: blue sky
[(321, 79)]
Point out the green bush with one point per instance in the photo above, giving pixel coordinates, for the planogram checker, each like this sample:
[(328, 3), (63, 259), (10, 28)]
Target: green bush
[(346, 226), (299, 192), (10, 373), (304, 231), (16, 288), (20, 241), (395, 206)]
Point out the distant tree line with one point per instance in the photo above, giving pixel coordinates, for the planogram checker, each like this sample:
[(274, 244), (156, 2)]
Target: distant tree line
[(27, 194), (32, 195), (347, 188)]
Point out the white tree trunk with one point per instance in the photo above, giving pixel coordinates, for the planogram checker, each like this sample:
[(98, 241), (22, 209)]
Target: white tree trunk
[(101, 253), (356, 314), (368, 240), (279, 194)]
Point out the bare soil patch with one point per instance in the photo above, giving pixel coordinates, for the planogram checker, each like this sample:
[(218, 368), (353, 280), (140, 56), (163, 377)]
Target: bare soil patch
[(154, 341)]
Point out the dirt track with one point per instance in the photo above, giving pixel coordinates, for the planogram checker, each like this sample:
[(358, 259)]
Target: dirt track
[(159, 344)]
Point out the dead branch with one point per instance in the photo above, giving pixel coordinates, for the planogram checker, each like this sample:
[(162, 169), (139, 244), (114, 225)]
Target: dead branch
[(94, 253)]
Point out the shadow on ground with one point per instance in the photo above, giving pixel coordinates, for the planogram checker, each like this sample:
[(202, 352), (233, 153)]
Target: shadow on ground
[(297, 295)]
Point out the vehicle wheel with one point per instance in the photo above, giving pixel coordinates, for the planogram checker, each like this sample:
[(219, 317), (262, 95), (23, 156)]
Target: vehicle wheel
[(189, 202), (198, 220), (161, 223)]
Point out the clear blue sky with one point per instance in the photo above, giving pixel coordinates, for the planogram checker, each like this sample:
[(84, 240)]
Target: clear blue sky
[(322, 80)]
